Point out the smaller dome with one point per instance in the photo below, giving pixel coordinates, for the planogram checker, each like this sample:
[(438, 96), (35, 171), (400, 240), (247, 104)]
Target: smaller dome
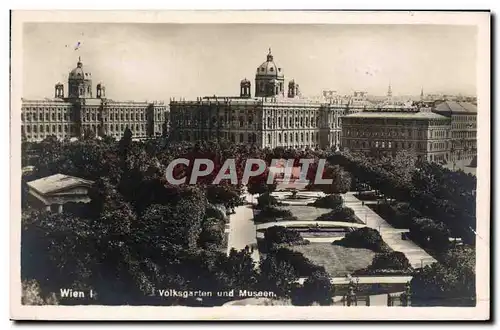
[(292, 82), (245, 81), (59, 84)]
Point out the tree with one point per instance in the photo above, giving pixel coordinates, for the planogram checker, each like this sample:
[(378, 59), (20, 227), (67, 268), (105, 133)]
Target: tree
[(277, 275), (266, 200), (212, 233), (450, 283)]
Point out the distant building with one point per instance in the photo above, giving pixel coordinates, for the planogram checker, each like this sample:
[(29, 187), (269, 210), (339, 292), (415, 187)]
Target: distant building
[(386, 131), (52, 192), (463, 130), (79, 113)]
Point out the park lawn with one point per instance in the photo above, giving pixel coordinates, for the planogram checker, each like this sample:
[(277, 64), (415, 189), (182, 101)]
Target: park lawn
[(337, 260)]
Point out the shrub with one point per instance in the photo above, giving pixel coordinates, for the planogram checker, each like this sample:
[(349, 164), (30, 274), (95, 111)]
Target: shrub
[(387, 263), (303, 266), (365, 238), (345, 214), (282, 235), (266, 200), (334, 201), (269, 214)]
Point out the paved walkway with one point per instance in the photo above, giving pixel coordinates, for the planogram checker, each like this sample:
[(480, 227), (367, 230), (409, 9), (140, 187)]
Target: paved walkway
[(392, 236), (242, 230), (311, 223), (312, 239), (367, 279)]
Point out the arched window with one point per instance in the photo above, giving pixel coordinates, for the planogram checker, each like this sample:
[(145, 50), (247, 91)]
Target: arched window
[(301, 137), (291, 122), (296, 137), (279, 121), (312, 137), (279, 137), (241, 137), (285, 137), (268, 122), (268, 138)]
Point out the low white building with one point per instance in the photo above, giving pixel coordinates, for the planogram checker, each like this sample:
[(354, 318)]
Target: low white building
[(52, 192)]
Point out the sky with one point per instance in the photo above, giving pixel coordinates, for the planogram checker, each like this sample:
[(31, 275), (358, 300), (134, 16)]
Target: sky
[(161, 61)]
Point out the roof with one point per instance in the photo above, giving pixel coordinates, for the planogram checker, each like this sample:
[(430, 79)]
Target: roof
[(396, 114), (456, 107), (57, 182)]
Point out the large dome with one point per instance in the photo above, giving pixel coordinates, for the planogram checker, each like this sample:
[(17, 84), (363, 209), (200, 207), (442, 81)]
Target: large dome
[(269, 68), (79, 73)]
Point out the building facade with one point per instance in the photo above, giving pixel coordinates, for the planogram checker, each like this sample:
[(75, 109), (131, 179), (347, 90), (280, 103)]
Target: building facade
[(386, 131), (79, 113), (463, 130), (272, 118)]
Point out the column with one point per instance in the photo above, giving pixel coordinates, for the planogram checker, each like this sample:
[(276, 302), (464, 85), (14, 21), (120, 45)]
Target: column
[(59, 208)]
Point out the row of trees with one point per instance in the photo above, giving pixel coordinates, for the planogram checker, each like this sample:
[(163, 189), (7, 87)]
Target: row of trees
[(435, 192)]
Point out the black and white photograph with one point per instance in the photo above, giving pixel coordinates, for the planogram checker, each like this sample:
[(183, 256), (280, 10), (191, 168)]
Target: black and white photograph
[(250, 165)]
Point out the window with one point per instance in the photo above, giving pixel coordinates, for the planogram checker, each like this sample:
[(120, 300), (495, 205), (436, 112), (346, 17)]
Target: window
[(47, 116), (279, 137), (241, 137), (28, 129), (268, 138), (285, 137)]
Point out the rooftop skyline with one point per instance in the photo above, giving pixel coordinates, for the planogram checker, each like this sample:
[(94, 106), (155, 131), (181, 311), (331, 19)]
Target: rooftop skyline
[(160, 61)]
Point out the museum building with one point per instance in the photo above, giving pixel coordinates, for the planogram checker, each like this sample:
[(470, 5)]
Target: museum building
[(276, 116), (80, 112)]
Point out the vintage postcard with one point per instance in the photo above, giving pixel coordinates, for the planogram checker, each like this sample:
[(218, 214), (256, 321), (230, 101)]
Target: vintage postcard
[(260, 165)]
